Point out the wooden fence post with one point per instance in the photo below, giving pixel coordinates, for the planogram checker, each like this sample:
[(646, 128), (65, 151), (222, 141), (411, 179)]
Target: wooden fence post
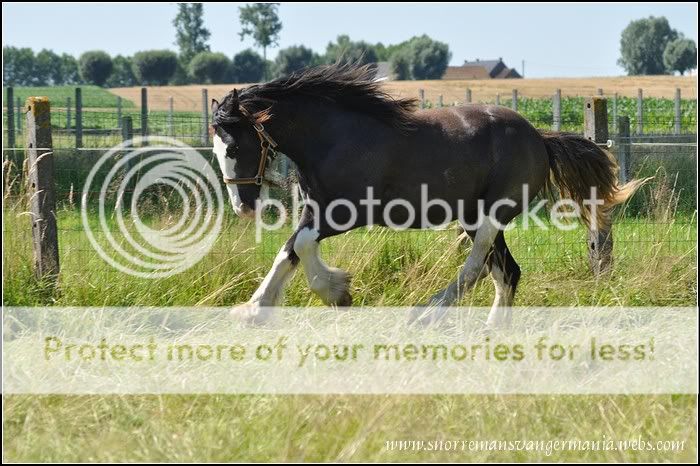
[(421, 94), (10, 116), (677, 112), (144, 112), (614, 112), (119, 112), (42, 190), (68, 117), (514, 100), (171, 126), (128, 135), (469, 96), (78, 117), (19, 116), (127, 128), (205, 118), (439, 103), (640, 112), (623, 146), (600, 91), (556, 111), (498, 99), (600, 240)]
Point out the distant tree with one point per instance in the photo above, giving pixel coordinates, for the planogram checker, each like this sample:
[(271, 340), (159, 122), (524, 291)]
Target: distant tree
[(400, 64), (262, 23), (190, 34), (680, 55), (293, 59), (154, 67), (70, 69), (48, 69), (18, 66), (346, 50), (642, 45), (95, 67), (122, 74), (247, 67), (429, 58), (209, 68)]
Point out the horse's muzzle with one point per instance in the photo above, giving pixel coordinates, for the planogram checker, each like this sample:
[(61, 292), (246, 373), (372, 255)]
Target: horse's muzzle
[(244, 211)]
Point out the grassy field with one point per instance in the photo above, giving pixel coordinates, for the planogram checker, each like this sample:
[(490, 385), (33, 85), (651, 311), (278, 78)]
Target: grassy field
[(93, 96), (189, 98), (389, 269), (335, 428), (655, 264)]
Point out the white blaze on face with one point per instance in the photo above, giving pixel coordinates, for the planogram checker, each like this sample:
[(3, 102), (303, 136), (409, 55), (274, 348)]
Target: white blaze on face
[(228, 168)]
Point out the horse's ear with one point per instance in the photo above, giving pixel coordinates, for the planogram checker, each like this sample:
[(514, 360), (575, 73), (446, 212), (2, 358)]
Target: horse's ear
[(214, 106), (235, 94)]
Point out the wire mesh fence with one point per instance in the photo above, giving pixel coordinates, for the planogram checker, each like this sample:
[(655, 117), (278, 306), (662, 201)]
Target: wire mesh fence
[(92, 127), (659, 223)]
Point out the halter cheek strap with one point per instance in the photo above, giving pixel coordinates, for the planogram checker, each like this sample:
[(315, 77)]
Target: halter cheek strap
[(266, 144)]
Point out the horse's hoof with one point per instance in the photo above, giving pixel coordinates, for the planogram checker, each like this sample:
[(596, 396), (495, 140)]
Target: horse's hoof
[(426, 315), (250, 313), (345, 300)]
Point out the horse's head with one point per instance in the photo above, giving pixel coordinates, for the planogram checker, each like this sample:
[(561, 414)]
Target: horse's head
[(240, 146)]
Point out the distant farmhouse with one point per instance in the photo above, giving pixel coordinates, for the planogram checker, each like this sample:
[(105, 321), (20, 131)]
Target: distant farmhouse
[(481, 69)]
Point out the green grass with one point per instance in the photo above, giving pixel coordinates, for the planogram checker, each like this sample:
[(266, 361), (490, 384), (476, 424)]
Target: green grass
[(400, 270), (655, 265), (101, 128), (335, 428), (390, 268), (93, 96)]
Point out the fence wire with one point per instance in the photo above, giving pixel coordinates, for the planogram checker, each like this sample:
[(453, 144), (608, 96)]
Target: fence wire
[(659, 223)]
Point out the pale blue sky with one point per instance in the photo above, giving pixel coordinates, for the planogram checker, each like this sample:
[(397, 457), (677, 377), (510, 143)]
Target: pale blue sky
[(553, 39)]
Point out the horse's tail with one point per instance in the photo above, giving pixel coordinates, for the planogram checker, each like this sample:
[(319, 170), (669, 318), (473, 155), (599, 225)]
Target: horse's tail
[(578, 166)]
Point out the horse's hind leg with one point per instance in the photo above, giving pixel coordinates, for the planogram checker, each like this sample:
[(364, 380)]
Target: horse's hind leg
[(473, 268), (505, 273)]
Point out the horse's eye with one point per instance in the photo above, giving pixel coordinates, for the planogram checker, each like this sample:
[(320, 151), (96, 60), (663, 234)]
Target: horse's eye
[(232, 150)]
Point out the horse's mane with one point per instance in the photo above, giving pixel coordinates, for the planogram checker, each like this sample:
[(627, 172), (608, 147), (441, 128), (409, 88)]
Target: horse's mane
[(350, 85)]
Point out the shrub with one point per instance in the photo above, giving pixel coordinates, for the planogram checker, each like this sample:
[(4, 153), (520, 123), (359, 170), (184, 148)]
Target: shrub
[(247, 67), (154, 67), (209, 67), (95, 67)]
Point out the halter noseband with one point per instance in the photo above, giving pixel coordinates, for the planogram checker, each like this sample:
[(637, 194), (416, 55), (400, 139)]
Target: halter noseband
[(266, 143)]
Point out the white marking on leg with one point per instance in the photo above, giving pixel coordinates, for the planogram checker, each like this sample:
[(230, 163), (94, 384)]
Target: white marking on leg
[(329, 283), (270, 291), (228, 168), (501, 313), (473, 267)]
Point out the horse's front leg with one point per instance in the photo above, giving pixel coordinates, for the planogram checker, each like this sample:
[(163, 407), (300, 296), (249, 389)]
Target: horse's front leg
[(271, 291), (331, 284)]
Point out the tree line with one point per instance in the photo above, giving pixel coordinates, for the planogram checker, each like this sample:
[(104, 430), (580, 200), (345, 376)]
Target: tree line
[(648, 46), (417, 58)]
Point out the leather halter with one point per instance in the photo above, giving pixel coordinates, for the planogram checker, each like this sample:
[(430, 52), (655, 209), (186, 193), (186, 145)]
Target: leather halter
[(266, 143)]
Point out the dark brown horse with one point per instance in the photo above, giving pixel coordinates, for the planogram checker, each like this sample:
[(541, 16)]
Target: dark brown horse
[(346, 135)]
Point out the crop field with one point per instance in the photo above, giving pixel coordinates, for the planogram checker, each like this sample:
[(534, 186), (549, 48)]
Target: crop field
[(93, 96), (189, 98)]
